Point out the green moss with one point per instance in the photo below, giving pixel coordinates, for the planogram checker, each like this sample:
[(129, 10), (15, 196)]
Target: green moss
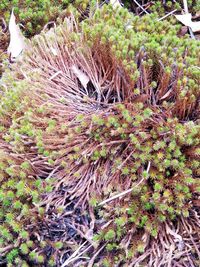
[(33, 15), (133, 127)]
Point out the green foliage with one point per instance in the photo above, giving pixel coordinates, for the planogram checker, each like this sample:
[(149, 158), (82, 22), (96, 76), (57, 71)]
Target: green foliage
[(153, 142), (33, 15), (12, 255), (134, 126), (110, 235)]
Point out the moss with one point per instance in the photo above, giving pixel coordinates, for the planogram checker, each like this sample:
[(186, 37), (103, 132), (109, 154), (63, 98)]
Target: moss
[(133, 130), (33, 15)]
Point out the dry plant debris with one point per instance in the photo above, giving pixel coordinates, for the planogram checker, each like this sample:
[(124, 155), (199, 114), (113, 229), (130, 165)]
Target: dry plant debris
[(16, 44)]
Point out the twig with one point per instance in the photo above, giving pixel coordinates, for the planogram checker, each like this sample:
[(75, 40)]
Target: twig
[(141, 6), (74, 256), (148, 167), (187, 11), (91, 262), (196, 67), (124, 192), (167, 15), (4, 26), (55, 74), (191, 33), (185, 6), (3, 250), (52, 173), (120, 194)]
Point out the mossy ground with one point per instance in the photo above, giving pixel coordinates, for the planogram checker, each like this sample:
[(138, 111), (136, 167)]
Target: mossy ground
[(111, 169)]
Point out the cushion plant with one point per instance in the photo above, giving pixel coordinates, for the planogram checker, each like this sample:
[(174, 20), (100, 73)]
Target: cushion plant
[(33, 15), (100, 135)]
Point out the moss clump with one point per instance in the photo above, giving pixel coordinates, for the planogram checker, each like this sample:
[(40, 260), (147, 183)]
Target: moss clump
[(35, 14), (124, 147)]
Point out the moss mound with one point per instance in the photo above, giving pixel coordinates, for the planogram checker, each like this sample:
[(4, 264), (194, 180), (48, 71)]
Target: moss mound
[(100, 126), (33, 15)]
